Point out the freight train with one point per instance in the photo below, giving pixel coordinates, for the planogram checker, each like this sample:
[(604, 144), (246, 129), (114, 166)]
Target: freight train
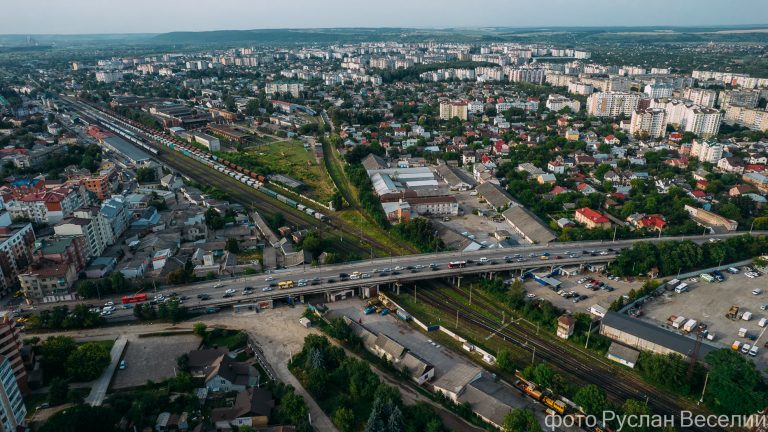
[(128, 128)]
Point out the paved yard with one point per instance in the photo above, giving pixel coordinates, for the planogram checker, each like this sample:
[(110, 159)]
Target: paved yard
[(709, 302), (152, 358), (602, 297)]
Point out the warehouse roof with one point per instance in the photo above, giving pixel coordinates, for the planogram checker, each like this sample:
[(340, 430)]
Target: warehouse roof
[(495, 195), (528, 225), (653, 333)]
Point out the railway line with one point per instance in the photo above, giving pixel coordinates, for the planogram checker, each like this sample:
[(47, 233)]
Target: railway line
[(245, 194), (616, 383)]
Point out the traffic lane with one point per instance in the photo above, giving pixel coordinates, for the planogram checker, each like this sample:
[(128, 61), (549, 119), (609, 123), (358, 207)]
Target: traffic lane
[(218, 299)]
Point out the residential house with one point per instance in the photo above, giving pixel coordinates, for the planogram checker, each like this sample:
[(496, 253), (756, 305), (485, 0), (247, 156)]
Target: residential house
[(592, 218)]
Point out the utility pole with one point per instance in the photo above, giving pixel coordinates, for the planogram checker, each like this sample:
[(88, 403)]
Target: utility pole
[(701, 400), (470, 294), (533, 357), (589, 332), (614, 233), (457, 318)]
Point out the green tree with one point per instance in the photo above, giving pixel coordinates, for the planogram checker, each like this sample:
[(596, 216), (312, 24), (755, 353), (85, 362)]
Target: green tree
[(592, 399), (82, 418), (637, 409), (57, 391), (232, 245), (87, 361), (56, 351), (199, 329), (146, 175), (504, 360), (521, 420), (344, 419), (735, 386)]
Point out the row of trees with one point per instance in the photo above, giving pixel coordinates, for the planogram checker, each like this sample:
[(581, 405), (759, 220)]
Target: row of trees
[(61, 318), (671, 257), (167, 311), (64, 358), (421, 233), (115, 283)]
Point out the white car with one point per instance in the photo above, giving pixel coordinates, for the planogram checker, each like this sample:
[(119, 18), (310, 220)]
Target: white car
[(531, 295), (269, 279), (218, 285), (757, 291), (230, 291), (266, 289), (109, 303)]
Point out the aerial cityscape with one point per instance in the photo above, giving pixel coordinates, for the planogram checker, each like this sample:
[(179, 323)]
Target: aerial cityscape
[(309, 217)]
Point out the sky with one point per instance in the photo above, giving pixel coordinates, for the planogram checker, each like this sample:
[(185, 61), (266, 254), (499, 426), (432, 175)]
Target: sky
[(159, 16)]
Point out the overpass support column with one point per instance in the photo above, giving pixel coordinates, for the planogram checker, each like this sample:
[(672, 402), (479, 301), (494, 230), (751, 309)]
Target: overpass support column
[(397, 287), (458, 281)]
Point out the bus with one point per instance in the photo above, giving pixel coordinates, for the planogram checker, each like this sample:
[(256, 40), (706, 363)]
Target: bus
[(285, 284), (134, 298), (457, 264)]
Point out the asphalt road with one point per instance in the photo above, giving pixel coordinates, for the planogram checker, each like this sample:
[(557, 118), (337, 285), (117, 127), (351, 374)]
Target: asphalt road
[(327, 278)]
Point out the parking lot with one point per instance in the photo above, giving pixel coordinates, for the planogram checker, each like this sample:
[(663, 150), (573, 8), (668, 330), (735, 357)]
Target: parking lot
[(709, 302), (481, 229), (601, 297), (152, 358)]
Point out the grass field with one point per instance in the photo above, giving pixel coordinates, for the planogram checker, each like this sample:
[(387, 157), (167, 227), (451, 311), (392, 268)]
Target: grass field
[(356, 220), (290, 158)]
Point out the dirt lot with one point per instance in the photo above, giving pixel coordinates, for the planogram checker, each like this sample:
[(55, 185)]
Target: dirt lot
[(152, 358), (709, 302), (602, 297)]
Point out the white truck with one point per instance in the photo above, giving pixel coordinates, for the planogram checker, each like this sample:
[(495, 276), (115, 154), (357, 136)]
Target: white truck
[(690, 325), (679, 321)]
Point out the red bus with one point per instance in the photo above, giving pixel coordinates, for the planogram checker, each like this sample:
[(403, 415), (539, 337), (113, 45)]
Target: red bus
[(457, 264), (134, 298)]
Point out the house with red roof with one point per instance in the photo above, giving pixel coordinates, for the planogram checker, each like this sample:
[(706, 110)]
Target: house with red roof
[(653, 222), (592, 218), (611, 139)]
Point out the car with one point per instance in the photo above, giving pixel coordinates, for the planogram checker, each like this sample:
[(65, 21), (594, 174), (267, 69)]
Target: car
[(247, 291), (581, 281), (384, 273), (122, 364), (531, 295), (230, 291), (331, 280), (745, 348), (127, 306), (218, 285), (757, 291), (109, 303), (365, 276), (432, 265), (764, 307), (398, 268), (228, 295), (483, 259), (395, 273), (184, 298), (301, 284), (267, 289), (204, 297), (44, 405)]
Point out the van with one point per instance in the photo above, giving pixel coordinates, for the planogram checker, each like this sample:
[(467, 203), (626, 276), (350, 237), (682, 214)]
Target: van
[(733, 270), (745, 348), (753, 351), (483, 259), (683, 287)]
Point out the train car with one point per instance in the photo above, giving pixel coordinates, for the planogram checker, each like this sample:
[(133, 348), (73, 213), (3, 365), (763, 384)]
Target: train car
[(291, 202), (262, 179), (269, 192), (309, 211), (555, 405), (320, 216), (301, 207)]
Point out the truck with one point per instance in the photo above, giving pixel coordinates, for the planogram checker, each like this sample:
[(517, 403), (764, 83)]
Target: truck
[(672, 284), (747, 316), (690, 325), (736, 346), (742, 332), (732, 312), (369, 310), (679, 321)]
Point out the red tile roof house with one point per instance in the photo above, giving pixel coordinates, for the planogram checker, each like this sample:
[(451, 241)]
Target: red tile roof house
[(652, 222), (592, 218)]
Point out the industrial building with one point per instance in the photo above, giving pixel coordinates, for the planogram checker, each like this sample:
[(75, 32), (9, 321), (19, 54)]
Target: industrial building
[(646, 336)]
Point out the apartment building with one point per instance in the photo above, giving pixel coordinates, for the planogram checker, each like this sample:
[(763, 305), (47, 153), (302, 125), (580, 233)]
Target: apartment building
[(535, 76), (580, 88), (12, 409), (451, 109), (47, 279), (10, 348), (704, 122), (746, 98), (95, 233), (49, 206), (612, 103), (294, 89), (16, 245), (700, 96), (658, 90), (754, 119), (649, 121), (556, 102), (706, 151)]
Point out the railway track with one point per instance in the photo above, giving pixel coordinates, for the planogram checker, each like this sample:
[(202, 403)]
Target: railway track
[(616, 383), (253, 199)]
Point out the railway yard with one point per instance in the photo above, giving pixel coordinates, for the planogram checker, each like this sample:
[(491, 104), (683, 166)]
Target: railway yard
[(481, 323)]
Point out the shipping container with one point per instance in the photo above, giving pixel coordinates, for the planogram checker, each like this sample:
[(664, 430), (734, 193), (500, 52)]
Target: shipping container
[(403, 315)]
